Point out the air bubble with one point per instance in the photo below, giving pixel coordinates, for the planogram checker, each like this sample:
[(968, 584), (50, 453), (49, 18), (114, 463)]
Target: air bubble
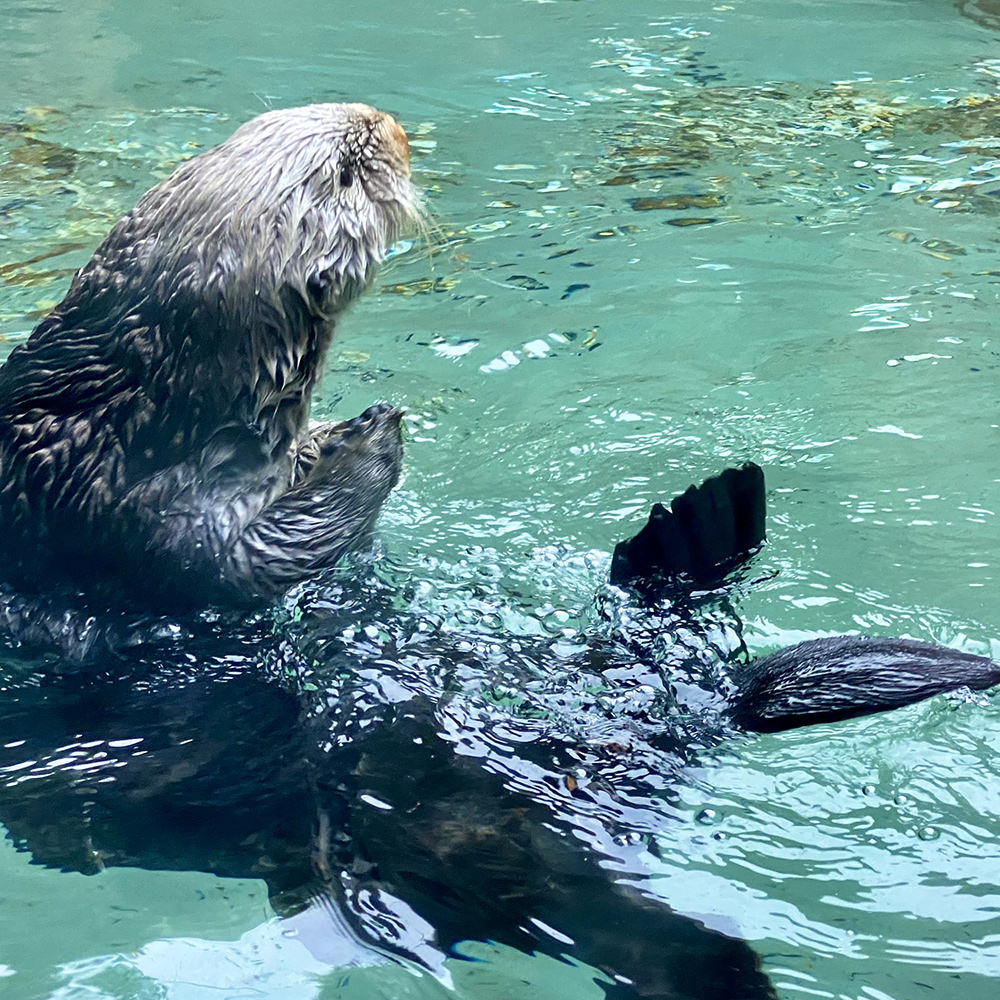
[(554, 620), (467, 616)]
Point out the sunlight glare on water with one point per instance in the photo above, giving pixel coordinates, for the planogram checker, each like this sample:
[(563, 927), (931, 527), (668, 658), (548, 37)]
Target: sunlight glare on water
[(667, 238)]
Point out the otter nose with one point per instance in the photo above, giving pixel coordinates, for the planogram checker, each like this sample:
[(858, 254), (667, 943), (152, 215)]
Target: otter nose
[(367, 126), (377, 412), (375, 415)]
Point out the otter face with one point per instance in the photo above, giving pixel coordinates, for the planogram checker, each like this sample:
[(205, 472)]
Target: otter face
[(306, 198), (350, 194), (360, 458)]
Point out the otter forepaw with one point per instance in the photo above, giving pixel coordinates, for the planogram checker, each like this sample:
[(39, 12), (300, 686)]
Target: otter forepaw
[(332, 443)]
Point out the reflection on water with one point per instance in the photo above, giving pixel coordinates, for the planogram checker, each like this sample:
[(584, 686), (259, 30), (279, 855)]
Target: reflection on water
[(665, 243)]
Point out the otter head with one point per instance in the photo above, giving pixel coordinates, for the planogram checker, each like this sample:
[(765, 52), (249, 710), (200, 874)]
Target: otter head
[(306, 199), (218, 293)]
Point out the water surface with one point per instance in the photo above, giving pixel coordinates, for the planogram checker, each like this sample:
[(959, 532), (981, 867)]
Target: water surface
[(670, 237)]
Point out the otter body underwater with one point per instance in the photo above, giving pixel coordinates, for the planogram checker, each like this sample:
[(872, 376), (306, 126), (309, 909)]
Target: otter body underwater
[(155, 453)]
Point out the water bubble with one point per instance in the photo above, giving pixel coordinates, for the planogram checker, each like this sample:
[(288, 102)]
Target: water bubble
[(707, 817), (553, 620), (868, 789), (467, 616), (928, 833)]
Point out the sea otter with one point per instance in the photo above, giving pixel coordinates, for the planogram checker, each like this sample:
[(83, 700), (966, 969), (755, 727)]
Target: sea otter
[(154, 429), (155, 449), (155, 453)]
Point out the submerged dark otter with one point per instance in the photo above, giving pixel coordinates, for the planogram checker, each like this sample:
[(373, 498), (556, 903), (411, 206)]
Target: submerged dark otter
[(154, 433)]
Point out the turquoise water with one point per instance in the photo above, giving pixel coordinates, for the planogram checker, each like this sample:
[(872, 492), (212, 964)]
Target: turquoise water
[(669, 237)]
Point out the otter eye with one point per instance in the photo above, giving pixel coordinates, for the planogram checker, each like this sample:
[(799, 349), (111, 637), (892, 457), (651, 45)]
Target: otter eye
[(346, 177), (316, 287)]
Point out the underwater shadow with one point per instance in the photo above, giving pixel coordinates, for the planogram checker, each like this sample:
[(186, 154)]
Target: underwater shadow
[(415, 813)]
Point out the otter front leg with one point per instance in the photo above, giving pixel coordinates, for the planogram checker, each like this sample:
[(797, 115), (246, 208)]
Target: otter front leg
[(342, 475)]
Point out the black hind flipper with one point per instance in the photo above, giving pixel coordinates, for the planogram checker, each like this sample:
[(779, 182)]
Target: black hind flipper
[(841, 677), (704, 534)]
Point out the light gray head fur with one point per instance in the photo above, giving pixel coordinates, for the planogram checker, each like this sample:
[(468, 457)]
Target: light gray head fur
[(305, 197)]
